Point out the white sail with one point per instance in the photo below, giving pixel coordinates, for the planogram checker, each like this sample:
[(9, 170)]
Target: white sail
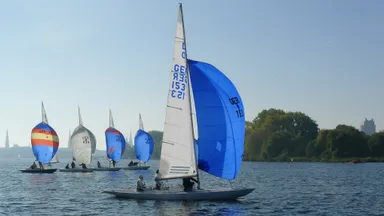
[(43, 114), (83, 143), (111, 123), (69, 140), (141, 124), (130, 141), (177, 158)]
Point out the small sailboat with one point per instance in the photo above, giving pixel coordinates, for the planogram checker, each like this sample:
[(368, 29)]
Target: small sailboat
[(45, 144), (115, 142), (143, 148), (18, 157), (82, 141), (130, 142), (220, 123)]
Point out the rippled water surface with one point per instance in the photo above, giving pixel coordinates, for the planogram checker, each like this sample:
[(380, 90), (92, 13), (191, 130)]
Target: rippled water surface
[(281, 189)]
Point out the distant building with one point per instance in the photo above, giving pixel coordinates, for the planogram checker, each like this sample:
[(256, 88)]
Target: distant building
[(368, 127), (7, 141)]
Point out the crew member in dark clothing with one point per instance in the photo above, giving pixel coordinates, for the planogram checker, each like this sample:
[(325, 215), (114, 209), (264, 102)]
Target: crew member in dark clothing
[(130, 163), (67, 167), (113, 163), (188, 184), (73, 165), (83, 166)]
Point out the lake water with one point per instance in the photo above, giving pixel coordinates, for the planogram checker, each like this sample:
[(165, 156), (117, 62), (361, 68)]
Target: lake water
[(281, 189)]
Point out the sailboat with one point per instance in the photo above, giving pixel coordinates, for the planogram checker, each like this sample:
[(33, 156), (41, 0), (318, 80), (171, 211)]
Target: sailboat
[(220, 123), (82, 140), (115, 142), (45, 143), (143, 148)]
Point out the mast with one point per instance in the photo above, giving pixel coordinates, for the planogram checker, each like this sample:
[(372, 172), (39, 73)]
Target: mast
[(189, 92)]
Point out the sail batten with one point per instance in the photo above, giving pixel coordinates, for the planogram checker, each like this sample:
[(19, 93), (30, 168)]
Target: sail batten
[(178, 121)]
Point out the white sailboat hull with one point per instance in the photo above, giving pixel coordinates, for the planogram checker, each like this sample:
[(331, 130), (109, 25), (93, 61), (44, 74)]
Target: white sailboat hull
[(136, 168), (211, 194)]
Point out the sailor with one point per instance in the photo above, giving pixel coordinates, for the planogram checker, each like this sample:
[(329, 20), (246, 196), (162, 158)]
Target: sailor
[(130, 163), (67, 167), (83, 166), (41, 165), (73, 165), (188, 184), (113, 163), (157, 181), (33, 166), (140, 184), (98, 164)]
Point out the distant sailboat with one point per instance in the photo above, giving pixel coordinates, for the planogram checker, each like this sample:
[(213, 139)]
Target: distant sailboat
[(220, 122), (143, 148), (18, 157), (82, 142), (115, 142), (45, 143), (130, 139)]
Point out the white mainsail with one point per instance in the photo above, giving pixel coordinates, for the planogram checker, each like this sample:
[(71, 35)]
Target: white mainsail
[(43, 114), (111, 123), (177, 158), (82, 141), (141, 124)]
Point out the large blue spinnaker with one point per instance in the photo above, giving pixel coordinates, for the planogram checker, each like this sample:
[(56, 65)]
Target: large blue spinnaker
[(220, 121), (143, 145), (115, 144)]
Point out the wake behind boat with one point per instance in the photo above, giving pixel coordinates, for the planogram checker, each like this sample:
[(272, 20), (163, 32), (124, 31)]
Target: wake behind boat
[(220, 124), (179, 194)]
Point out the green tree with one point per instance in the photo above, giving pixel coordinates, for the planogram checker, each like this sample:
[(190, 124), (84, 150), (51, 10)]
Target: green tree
[(376, 144)]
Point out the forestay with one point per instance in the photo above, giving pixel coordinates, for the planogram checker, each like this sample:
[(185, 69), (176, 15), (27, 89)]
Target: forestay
[(220, 120), (177, 153)]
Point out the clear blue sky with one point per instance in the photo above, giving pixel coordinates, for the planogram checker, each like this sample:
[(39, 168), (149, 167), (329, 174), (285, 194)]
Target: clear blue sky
[(324, 58)]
